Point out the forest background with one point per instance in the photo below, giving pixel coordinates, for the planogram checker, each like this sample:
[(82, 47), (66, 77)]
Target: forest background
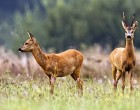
[(62, 24)]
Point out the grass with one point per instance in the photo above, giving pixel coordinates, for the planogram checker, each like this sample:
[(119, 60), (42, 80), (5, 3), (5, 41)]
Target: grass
[(34, 95)]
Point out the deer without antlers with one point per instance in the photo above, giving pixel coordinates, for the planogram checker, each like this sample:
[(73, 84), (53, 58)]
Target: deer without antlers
[(123, 59), (56, 65)]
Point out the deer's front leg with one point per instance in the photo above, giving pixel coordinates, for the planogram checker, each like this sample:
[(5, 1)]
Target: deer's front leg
[(114, 70), (131, 80), (52, 81), (123, 82)]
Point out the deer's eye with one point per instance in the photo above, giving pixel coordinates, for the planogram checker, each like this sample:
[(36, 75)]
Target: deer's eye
[(26, 43), (132, 31)]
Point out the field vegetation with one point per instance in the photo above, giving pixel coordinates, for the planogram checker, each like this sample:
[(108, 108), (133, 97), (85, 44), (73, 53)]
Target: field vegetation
[(20, 94)]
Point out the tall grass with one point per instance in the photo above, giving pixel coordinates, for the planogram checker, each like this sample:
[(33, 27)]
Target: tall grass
[(34, 95)]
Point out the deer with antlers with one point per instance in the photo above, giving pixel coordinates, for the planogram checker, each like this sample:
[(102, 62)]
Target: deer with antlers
[(56, 65), (123, 59)]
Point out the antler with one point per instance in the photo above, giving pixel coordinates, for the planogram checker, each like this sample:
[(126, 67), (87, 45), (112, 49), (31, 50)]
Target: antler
[(133, 18), (124, 19)]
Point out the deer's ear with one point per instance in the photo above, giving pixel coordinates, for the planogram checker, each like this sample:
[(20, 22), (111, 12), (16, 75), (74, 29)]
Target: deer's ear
[(135, 25), (124, 25), (34, 39), (30, 35)]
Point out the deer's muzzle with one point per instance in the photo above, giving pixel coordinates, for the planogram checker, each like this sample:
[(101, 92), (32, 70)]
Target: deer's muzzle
[(20, 50), (129, 37)]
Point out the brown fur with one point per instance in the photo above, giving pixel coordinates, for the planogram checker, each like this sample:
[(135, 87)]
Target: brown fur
[(56, 65), (123, 59)]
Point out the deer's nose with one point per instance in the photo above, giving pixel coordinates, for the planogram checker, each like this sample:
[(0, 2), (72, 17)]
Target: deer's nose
[(19, 49), (129, 36)]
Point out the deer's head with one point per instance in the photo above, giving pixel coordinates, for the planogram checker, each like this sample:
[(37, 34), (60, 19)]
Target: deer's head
[(29, 45), (129, 29)]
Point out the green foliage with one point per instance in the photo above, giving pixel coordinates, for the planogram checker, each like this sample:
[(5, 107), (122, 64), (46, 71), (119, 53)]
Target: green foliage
[(61, 24)]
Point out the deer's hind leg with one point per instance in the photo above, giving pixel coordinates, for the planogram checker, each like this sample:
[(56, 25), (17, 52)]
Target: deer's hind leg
[(76, 76)]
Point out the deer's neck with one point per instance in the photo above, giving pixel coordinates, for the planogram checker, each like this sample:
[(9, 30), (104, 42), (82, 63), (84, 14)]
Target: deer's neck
[(39, 56), (129, 48)]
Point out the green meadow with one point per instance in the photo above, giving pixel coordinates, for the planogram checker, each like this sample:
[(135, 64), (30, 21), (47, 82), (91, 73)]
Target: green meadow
[(17, 94)]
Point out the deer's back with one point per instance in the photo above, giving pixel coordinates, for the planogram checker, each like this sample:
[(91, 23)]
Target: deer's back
[(71, 56)]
